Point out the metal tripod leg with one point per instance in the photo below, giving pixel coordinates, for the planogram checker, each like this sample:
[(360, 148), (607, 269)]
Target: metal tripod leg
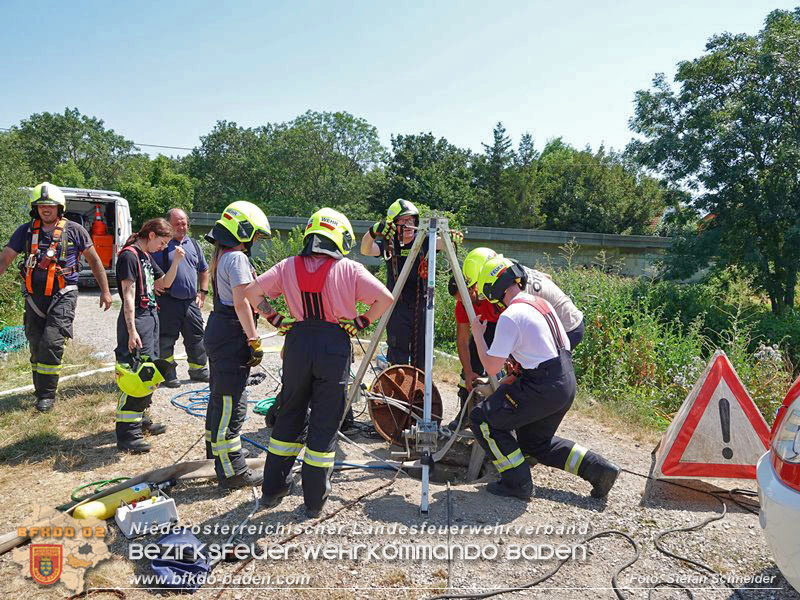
[(376, 337), (476, 459)]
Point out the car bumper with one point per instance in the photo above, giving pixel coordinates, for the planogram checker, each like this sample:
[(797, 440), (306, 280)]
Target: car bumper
[(779, 517)]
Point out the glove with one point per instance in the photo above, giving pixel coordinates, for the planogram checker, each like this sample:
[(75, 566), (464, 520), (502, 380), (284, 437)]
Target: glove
[(456, 236), (281, 323), (353, 326), (382, 228), (256, 353)]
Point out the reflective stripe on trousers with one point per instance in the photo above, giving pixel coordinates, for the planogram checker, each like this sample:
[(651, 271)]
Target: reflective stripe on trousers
[(502, 462), (127, 416), (221, 446), (323, 460), (281, 448), (575, 458)]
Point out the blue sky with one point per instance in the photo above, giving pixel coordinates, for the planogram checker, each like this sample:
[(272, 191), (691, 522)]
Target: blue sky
[(165, 72)]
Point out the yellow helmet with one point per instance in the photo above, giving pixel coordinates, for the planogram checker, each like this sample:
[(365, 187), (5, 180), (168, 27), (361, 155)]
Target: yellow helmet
[(400, 208), (239, 223), (331, 225), (141, 378), (47, 194), (473, 263), (497, 275)]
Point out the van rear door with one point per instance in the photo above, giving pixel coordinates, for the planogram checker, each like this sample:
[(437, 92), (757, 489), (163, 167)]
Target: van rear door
[(123, 228)]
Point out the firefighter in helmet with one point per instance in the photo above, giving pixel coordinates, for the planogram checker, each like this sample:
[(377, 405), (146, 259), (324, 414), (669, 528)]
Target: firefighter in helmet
[(137, 332), (391, 239), (52, 246), (231, 340), (321, 288), (532, 400), (471, 367)]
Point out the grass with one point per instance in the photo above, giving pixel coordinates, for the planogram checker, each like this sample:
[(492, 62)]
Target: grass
[(67, 434), (16, 369)]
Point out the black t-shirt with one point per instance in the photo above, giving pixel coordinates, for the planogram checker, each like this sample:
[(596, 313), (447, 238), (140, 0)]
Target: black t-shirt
[(128, 265), (413, 284), (77, 240)]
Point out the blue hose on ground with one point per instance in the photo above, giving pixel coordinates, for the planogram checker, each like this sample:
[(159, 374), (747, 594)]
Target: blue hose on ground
[(199, 398)]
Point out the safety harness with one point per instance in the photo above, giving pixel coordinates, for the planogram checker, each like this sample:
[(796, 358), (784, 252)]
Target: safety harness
[(310, 285), (52, 260), (144, 298), (547, 312)]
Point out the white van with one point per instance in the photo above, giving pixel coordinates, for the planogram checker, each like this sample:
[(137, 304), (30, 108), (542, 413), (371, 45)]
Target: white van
[(82, 204)]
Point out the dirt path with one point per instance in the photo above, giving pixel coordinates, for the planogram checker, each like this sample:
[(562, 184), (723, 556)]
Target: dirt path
[(562, 511)]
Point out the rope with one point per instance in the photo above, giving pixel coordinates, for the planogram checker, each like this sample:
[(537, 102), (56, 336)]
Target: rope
[(196, 407)]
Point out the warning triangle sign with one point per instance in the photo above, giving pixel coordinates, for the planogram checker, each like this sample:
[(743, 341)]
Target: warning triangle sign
[(718, 431)]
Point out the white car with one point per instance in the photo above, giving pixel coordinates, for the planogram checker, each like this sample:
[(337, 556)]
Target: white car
[(778, 474)]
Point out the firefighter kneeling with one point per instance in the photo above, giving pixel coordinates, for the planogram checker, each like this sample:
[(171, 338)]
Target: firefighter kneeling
[(533, 401)]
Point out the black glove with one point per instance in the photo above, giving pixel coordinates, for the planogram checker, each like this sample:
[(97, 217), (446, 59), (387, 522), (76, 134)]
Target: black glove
[(353, 326), (382, 228), (281, 323)]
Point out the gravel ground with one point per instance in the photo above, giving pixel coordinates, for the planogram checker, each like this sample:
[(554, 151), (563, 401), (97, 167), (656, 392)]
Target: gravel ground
[(561, 515)]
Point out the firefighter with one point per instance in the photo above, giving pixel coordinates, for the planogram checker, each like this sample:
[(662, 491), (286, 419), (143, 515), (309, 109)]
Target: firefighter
[(179, 306), (471, 367), (52, 247), (137, 329), (391, 239), (231, 340), (532, 400), (537, 283), (321, 289)]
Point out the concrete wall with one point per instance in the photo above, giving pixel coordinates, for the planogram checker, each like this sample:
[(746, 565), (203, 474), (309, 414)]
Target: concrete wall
[(631, 254)]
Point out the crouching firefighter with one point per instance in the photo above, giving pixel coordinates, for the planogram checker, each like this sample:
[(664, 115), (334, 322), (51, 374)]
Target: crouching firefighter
[(321, 289), (137, 333), (231, 340), (532, 401), (52, 247)]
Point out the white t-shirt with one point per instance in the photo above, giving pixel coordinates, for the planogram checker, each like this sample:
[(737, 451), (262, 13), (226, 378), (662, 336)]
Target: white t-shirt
[(541, 285), (522, 331)]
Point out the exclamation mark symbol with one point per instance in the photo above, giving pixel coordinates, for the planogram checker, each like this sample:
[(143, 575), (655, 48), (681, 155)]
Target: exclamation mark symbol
[(725, 421)]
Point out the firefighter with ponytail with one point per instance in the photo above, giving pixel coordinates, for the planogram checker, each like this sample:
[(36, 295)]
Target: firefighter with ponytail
[(321, 288), (533, 400), (138, 369), (52, 247), (231, 340)]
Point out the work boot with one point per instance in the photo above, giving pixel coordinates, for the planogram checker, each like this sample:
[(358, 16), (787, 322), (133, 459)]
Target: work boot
[(199, 374), (348, 425), (44, 404), (134, 446), (600, 473), (247, 478), (152, 428), (273, 500), (171, 383), (523, 492)]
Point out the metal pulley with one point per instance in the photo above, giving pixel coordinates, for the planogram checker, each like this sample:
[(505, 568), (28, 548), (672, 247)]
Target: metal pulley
[(396, 401)]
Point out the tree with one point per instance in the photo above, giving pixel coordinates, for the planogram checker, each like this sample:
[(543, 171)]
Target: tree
[(294, 168), (153, 192), (730, 134), (428, 171), (49, 140), (586, 191), (493, 176), (14, 174)]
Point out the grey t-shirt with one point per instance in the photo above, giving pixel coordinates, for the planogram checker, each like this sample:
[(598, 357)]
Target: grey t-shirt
[(233, 269), (540, 284)]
